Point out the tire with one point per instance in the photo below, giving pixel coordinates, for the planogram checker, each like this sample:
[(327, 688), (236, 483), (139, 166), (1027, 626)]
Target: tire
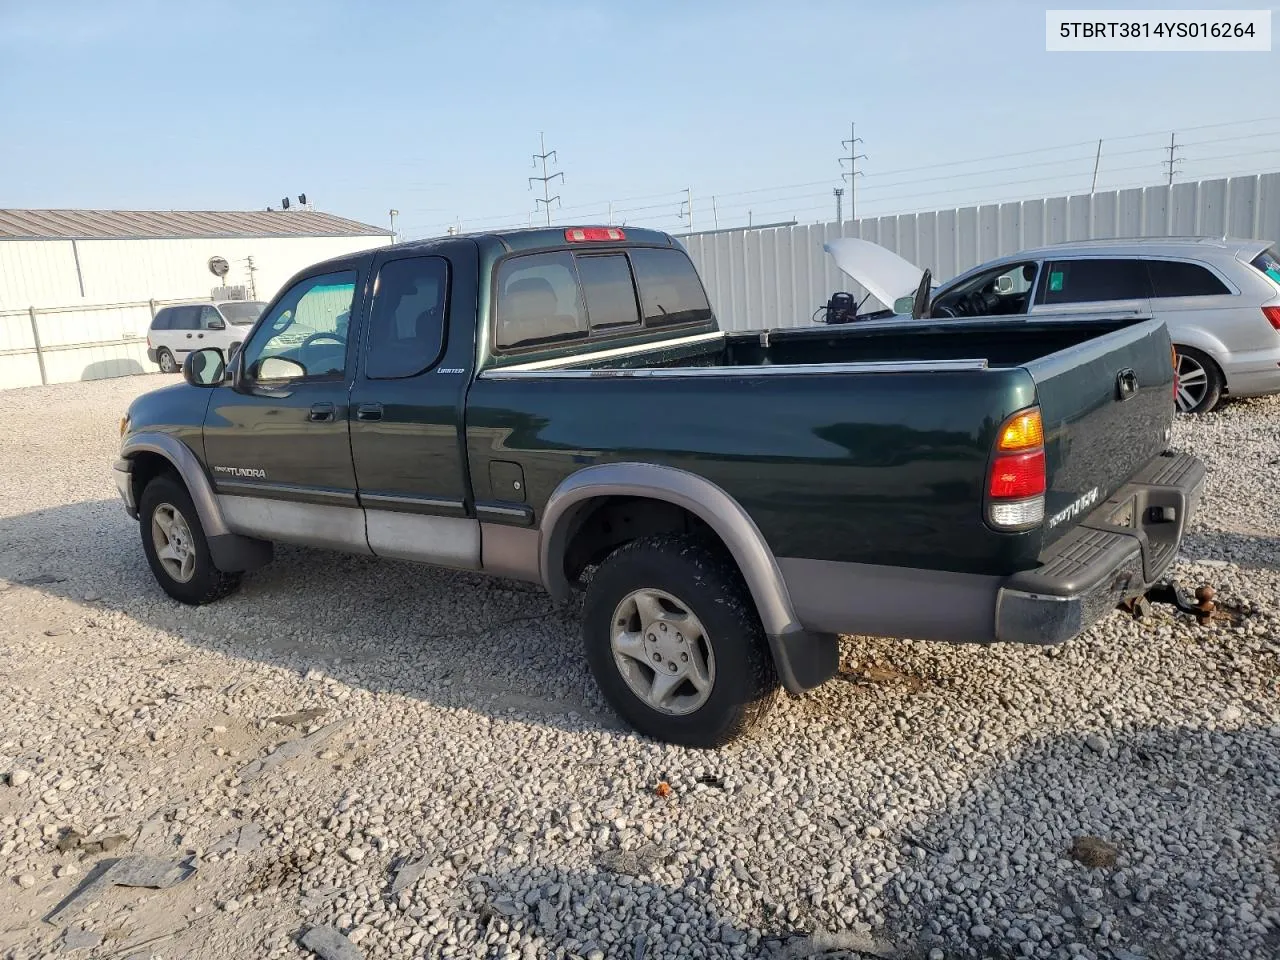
[(725, 684), (187, 574), (1200, 381), (166, 360)]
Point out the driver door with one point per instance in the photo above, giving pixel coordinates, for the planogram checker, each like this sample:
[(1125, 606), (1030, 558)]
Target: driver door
[(276, 437)]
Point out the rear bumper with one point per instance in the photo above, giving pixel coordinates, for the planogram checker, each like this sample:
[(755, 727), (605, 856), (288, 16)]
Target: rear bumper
[(151, 355), (1115, 553)]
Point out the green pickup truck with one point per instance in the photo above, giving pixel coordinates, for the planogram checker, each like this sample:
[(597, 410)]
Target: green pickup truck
[(560, 406)]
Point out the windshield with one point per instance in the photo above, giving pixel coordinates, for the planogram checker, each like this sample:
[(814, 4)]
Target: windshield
[(242, 312), (1268, 261)]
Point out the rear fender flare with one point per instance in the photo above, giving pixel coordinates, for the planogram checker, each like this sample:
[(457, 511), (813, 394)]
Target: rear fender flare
[(696, 494)]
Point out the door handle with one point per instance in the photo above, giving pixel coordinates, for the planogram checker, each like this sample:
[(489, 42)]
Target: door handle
[(369, 411), (188, 336), (321, 412)]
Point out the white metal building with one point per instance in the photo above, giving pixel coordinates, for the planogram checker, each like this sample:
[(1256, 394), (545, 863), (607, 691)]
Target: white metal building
[(78, 287)]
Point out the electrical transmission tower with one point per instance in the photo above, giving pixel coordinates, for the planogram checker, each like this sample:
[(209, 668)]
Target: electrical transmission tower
[(1172, 161), (546, 199), (853, 172)]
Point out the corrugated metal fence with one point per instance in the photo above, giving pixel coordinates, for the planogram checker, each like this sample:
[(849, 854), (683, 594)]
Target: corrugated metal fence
[(779, 277), (49, 344)]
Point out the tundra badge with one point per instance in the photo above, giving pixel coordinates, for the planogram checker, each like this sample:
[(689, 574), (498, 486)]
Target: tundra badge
[(1076, 508)]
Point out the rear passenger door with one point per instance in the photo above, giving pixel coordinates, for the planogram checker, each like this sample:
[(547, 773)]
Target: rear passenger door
[(1105, 285), (181, 335), (407, 408)]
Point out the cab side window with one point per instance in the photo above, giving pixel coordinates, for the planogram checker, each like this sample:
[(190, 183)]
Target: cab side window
[(406, 323), (305, 335)]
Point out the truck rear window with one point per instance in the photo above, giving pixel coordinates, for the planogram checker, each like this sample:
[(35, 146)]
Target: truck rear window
[(1268, 261), (670, 290), (538, 301)]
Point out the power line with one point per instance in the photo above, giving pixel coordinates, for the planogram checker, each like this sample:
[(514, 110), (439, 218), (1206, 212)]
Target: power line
[(545, 180)]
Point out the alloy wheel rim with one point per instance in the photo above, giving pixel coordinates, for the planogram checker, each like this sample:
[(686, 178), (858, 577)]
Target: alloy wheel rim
[(662, 652), (1193, 383), (171, 537)]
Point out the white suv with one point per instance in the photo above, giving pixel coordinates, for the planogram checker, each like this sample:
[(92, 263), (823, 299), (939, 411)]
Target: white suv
[(1219, 297), (178, 330)]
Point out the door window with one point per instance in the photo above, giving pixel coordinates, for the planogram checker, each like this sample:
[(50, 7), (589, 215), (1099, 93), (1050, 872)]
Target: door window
[(184, 318), (538, 301), (305, 335), (163, 319), (406, 324), (210, 319), (1001, 291), (1093, 280)]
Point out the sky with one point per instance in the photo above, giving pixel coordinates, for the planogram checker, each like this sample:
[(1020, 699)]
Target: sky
[(435, 109)]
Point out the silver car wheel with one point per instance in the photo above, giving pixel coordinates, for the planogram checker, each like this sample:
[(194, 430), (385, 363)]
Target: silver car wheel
[(172, 539), (663, 652), (1193, 383)]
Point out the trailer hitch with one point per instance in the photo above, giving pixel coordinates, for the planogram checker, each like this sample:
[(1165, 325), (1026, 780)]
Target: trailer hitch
[(1200, 604)]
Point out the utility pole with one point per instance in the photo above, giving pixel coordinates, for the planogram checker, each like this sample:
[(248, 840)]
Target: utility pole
[(853, 172), (686, 207), (1172, 161), (253, 287), (1097, 158), (545, 180), (394, 214), (839, 193), (715, 214)]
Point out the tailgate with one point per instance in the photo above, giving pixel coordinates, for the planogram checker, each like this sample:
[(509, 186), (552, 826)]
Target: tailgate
[(1107, 406)]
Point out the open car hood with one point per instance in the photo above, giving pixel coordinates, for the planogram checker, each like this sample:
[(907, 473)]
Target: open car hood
[(881, 272)]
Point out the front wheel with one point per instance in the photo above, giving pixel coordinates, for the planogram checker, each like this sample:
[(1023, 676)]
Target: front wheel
[(1200, 381), (175, 545), (674, 642)]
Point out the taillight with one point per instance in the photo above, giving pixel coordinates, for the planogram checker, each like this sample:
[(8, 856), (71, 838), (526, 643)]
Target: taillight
[(1273, 316), (1173, 351), (589, 234), (1017, 481)]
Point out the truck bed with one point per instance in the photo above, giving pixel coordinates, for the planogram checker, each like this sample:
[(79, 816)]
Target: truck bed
[(859, 445), (975, 344)]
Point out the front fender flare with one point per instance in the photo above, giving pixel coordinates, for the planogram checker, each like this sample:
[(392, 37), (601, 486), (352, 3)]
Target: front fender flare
[(803, 659), (189, 468)]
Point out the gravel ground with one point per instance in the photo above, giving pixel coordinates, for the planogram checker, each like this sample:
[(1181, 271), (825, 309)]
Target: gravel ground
[(420, 760)]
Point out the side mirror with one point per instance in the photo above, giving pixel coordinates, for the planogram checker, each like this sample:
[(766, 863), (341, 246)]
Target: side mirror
[(204, 368), (903, 305), (217, 323)]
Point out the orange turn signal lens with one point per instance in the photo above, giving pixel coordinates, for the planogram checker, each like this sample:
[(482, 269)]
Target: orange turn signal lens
[(1023, 431)]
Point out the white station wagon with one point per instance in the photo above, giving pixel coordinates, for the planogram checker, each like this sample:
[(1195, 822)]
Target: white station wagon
[(1219, 297)]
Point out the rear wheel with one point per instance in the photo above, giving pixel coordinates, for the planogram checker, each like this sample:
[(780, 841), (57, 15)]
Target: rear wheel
[(1200, 381), (167, 363), (175, 545), (675, 644)]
